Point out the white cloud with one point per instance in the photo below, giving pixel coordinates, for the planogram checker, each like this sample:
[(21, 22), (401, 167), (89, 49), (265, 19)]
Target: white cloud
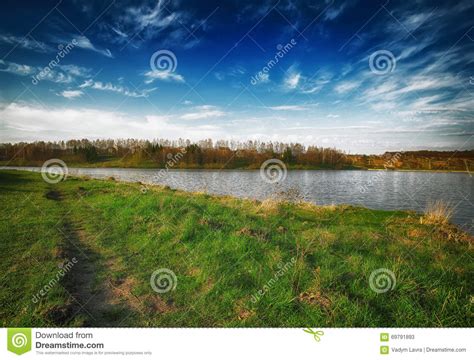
[(59, 74), (119, 33), (154, 17), (52, 74), (316, 82), (385, 88), (162, 75), (425, 102), (262, 79), (237, 71), (28, 123), (163, 20), (332, 116), (87, 83), (288, 108), (17, 69), (333, 12), (292, 80), (383, 106), (219, 76), (71, 94), (25, 43), (98, 85), (413, 21), (203, 112), (57, 77), (346, 86), (419, 83), (75, 70), (84, 43)]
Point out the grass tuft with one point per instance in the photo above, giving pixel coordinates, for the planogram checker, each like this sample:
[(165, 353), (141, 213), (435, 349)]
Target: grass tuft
[(437, 213), (270, 205)]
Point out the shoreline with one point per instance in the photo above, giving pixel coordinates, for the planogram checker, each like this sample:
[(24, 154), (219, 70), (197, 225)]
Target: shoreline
[(13, 167), (111, 179)]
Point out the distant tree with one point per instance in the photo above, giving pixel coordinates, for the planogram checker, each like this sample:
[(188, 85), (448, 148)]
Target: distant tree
[(91, 154), (287, 156)]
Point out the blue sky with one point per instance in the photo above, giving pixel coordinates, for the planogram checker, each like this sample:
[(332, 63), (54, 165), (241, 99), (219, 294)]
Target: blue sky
[(362, 76)]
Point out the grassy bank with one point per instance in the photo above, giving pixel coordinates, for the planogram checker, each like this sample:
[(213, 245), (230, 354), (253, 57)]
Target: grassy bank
[(237, 262)]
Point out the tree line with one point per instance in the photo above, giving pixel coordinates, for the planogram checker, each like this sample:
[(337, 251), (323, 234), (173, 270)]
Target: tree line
[(222, 154), (201, 154), (418, 160)]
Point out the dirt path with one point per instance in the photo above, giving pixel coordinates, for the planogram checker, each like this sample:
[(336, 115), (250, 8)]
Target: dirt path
[(93, 302)]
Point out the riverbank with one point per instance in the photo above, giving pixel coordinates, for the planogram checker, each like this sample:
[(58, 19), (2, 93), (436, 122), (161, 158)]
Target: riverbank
[(6, 165), (237, 262)]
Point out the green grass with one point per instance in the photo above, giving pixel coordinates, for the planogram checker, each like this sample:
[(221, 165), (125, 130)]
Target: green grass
[(223, 251)]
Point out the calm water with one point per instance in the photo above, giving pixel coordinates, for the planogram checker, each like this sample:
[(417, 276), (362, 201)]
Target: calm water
[(373, 189)]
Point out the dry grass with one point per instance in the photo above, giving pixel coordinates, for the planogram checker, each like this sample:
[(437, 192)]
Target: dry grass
[(270, 205), (437, 212), (315, 298)]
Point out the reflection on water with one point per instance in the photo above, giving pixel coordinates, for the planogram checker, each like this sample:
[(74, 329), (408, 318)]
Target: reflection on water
[(388, 190)]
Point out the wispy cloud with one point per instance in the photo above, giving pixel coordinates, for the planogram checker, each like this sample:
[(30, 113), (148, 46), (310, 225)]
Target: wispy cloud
[(17, 69), (292, 78), (334, 11), (71, 94), (98, 85), (119, 33), (84, 43), (58, 74), (316, 82), (153, 75), (25, 43), (76, 70), (203, 112), (346, 86), (164, 19), (383, 106), (262, 79), (288, 108)]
